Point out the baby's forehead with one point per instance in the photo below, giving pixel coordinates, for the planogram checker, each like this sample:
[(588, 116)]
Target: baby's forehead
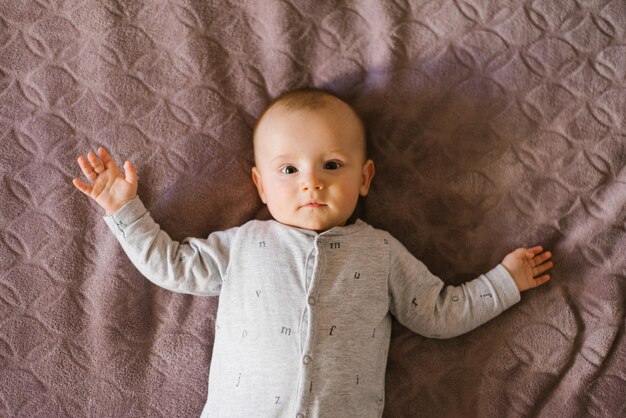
[(323, 106), (329, 113)]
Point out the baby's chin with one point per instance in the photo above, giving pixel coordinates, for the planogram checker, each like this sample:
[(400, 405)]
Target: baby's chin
[(312, 225)]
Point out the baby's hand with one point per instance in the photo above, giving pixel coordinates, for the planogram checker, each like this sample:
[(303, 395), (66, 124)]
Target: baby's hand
[(527, 266), (108, 186)]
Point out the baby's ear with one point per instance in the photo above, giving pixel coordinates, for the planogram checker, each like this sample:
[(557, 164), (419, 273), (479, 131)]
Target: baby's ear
[(366, 177), (256, 178)]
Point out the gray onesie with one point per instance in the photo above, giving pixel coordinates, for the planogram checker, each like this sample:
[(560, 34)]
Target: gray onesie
[(303, 323)]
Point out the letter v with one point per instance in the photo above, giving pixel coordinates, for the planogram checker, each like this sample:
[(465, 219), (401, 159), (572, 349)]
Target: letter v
[(258, 293)]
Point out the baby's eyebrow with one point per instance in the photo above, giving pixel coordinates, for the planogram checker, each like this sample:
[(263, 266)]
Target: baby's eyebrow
[(341, 154), (282, 157), (331, 154)]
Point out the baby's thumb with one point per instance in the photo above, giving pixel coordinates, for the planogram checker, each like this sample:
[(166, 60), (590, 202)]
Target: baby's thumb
[(130, 172)]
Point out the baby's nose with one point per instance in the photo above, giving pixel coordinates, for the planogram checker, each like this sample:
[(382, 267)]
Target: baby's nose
[(312, 186), (312, 182)]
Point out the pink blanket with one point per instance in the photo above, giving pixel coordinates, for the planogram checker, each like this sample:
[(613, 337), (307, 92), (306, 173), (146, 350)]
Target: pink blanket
[(493, 125)]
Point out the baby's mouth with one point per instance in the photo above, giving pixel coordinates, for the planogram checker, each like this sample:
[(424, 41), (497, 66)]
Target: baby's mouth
[(314, 205)]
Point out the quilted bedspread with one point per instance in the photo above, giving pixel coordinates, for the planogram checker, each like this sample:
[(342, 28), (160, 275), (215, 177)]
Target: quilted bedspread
[(493, 125)]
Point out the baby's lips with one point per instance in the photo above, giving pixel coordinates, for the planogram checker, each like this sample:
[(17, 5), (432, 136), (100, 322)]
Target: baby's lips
[(314, 204)]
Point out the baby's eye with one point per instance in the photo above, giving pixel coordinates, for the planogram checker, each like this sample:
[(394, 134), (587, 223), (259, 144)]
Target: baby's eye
[(288, 169), (332, 165)]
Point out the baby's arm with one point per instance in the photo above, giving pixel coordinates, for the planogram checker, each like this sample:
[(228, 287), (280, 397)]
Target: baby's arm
[(423, 303), (194, 266)]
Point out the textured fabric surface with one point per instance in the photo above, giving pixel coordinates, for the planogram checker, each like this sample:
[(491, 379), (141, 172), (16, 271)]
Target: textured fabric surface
[(493, 124)]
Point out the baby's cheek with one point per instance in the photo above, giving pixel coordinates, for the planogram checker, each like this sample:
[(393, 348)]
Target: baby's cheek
[(348, 199), (279, 204)]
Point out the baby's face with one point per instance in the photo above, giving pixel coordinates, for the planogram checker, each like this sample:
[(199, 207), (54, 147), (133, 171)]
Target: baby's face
[(311, 165)]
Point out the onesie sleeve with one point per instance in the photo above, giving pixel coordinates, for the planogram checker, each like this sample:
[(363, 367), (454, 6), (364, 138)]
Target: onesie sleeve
[(423, 303), (194, 266)]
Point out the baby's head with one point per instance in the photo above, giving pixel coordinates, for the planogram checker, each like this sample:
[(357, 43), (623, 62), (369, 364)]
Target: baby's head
[(311, 159)]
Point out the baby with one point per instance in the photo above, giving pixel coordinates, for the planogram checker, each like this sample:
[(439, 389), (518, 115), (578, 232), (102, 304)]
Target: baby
[(303, 323)]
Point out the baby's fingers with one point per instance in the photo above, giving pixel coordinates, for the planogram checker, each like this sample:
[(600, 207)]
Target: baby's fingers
[(542, 268), (95, 162), (532, 252), (85, 188), (131, 172), (541, 258), (106, 158), (87, 169), (538, 281)]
